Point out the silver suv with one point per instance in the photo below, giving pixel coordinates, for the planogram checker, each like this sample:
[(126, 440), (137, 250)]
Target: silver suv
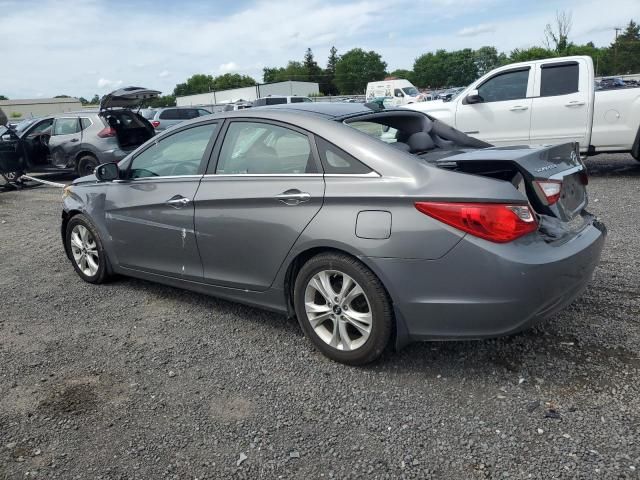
[(79, 141), (170, 116)]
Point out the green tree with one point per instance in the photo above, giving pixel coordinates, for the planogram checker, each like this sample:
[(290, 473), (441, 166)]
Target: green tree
[(328, 85), (356, 68), (445, 69), (198, 83), (62, 96), (313, 71), (95, 100), (293, 71), (403, 73), (232, 80), (83, 101), (557, 36), (488, 58), (163, 101), (2, 97), (625, 51), (527, 54)]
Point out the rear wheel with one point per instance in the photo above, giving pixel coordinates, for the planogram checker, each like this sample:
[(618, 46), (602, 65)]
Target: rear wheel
[(86, 165), (343, 308), (86, 251)]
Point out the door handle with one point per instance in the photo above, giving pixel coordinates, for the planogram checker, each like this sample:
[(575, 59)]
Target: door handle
[(518, 108), (178, 201), (74, 140), (574, 103), (293, 197)]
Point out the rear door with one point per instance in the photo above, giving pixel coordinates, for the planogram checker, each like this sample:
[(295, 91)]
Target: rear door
[(562, 109), (65, 141), (504, 115), (149, 214), (255, 202)]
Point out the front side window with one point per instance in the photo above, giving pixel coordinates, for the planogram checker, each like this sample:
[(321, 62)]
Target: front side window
[(40, 128), (559, 79), (263, 148), (505, 86), (66, 126), (175, 155)]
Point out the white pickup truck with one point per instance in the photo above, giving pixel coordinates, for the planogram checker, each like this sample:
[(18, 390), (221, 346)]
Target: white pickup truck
[(545, 102)]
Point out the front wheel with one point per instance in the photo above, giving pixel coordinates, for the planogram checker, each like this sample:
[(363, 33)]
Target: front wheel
[(343, 308), (86, 251)]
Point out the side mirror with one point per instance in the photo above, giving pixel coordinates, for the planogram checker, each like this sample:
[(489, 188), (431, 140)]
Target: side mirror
[(474, 97), (107, 172), (6, 138)]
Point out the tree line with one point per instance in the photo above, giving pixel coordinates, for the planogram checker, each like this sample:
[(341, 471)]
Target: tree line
[(350, 72)]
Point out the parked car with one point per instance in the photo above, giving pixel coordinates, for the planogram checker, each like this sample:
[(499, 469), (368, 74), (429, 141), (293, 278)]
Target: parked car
[(277, 100), (79, 141), (169, 116), (147, 113), (545, 101), (231, 107), (401, 91), (303, 210)]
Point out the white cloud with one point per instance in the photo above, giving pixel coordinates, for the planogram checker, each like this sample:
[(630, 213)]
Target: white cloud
[(228, 67), (164, 74), (106, 83), (475, 31)]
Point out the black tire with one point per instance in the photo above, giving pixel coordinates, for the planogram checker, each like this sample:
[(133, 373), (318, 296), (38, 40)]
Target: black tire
[(86, 165), (375, 293), (103, 271)]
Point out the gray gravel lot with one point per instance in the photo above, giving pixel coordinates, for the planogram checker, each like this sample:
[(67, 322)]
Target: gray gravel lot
[(136, 380)]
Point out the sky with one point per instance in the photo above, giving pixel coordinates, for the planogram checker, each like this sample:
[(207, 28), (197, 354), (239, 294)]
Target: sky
[(87, 47)]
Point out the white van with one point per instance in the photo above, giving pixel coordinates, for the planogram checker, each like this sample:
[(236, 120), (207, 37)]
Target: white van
[(402, 92)]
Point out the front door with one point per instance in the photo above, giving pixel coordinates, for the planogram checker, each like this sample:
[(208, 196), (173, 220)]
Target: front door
[(255, 203), (65, 141), (149, 214), (504, 115)]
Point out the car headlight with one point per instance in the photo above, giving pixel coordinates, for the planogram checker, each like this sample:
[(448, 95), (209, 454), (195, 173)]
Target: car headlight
[(66, 191)]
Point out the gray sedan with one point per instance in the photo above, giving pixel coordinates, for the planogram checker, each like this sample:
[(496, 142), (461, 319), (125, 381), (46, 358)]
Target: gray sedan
[(373, 227)]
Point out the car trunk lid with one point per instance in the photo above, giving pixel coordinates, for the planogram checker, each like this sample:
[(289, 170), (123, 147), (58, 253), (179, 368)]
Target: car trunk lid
[(127, 97), (532, 169)]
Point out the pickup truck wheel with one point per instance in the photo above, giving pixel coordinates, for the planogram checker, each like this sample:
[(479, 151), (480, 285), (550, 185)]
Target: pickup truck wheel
[(86, 165)]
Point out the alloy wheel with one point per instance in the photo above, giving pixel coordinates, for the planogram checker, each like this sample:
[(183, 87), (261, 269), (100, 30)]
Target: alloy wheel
[(338, 310), (85, 250)]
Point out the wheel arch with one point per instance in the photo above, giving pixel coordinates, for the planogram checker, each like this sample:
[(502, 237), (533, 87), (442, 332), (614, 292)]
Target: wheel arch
[(400, 337), (84, 153)]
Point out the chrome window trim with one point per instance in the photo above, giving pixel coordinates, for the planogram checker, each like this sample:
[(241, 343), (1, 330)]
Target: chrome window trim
[(361, 175), (163, 177)]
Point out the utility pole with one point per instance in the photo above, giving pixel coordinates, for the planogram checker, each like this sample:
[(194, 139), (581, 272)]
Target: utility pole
[(615, 51)]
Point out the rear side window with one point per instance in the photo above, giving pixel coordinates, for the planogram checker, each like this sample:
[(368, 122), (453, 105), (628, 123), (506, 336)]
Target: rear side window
[(253, 148), (335, 160), (188, 113), (85, 123), (203, 112), (66, 126), (505, 86), (559, 79), (275, 101), (170, 114)]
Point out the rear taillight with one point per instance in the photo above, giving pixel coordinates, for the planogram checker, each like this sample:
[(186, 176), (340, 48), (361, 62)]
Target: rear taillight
[(550, 189), (107, 132), (155, 123), (496, 222)]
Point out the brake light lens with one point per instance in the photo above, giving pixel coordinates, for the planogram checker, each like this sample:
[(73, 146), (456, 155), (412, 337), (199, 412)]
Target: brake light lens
[(550, 189), (107, 132), (496, 222), (155, 123)]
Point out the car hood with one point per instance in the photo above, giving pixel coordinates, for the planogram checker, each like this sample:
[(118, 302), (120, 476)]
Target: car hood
[(127, 97), (86, 179)]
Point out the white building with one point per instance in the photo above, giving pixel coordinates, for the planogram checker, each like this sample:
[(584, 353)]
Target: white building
[(300, 89)]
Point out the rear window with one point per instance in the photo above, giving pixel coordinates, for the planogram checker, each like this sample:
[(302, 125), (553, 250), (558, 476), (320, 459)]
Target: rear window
[(559, 79), (170, 114)]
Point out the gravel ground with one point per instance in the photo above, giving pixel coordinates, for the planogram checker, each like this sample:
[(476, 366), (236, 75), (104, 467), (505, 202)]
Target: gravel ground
[(136, 380)]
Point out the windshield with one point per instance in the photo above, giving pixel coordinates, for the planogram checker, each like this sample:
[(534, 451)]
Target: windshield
[(411, 91), (382, 132)]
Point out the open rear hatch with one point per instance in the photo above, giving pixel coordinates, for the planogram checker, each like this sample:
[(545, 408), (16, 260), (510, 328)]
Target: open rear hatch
[(553, 178), (131, 129)]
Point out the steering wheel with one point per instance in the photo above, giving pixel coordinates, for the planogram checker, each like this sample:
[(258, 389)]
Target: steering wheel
[(181, 169), (43, 139)]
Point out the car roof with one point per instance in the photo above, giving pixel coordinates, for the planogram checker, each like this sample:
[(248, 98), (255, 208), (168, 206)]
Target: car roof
[(326, 109)]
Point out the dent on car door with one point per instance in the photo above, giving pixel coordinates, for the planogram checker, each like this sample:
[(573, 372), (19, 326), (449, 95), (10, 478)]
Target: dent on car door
[(503, 116), (256, 200), (149, 213), (65, 140)]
